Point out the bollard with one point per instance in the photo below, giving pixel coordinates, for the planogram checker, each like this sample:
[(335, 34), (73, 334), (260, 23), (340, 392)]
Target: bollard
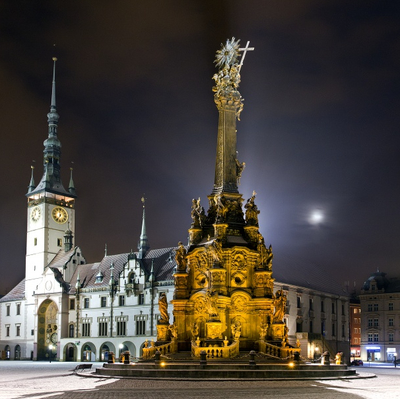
[(203, 359), (252, 362), (157, 357), (326, 359)]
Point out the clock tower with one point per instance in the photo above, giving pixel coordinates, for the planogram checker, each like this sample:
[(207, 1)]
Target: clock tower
[(51, 208)]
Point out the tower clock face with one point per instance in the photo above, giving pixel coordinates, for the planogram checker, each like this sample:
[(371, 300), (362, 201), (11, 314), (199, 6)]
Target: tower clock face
[(35, 214), (59, 215)]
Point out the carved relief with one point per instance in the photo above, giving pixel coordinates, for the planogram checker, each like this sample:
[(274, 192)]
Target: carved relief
[(239, 304), (200, 306), (218, 277)]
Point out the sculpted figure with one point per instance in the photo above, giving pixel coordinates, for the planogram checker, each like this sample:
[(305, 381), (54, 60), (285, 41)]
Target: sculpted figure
[(180, 257), (174, 331), (221, 208), (216, 250), (163, 308), (195, 331), (280, 306), (263, 330), (236, 330), (252, 211), (239, 169), (211, 303)]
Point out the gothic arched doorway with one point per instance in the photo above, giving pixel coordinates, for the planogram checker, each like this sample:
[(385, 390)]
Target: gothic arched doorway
[(47, 338)]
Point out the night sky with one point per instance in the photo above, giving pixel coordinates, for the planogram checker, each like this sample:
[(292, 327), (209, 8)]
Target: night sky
[(319, 131)]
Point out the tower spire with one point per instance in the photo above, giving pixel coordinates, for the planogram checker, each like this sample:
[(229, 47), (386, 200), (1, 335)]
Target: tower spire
[(51, 179), (143, 242), (31, 186)]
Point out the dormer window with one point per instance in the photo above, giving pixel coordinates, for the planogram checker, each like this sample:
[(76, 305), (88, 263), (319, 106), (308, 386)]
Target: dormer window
[(99, 277), (373, 286)]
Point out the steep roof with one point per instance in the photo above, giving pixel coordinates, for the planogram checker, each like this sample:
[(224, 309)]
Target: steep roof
[(163, 261), (17, 293)]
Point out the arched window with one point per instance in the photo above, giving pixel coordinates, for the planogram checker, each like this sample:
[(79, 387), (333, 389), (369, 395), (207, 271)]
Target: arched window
[(71, 331)]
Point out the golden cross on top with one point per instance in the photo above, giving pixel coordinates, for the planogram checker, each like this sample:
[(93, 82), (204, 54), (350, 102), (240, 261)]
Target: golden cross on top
[(245, 50)]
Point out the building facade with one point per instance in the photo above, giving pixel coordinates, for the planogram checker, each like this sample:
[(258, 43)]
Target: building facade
[(380, 310)]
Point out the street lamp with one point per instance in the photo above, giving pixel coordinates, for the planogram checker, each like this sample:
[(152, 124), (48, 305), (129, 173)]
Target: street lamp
[(113, 287)]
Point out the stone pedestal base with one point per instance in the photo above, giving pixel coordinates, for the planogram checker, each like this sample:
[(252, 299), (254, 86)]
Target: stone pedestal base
[(162, 332), (214, 329)]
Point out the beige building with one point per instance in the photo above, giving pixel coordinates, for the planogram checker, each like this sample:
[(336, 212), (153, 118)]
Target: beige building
[(380, 310)]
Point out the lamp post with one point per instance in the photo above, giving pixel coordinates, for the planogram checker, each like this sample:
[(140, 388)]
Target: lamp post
[(113, 287), (151, 279)]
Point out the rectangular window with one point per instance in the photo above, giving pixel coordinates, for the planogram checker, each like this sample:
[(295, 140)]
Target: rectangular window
[(343, 334), (333, 308), (391, 337), (103, 301), (18, 331), (390, 305), (355, 331), (71, 304), (71, 331), (140, 327), (355, 311), (370, 307), (376, 322), (369, 322), (7, 310), (59, 242), (370, 337), (333, 330), (121, 300), (18, 309), (311, 326), (121, 328), (141, 299), (391, 322), (103, 329), (343, 310), (375, 307), (323, 328), (299, 302), (86, 303), (35, 241), (7, 331), (322, 306), (311, 304), (86, 329), (376, 337)]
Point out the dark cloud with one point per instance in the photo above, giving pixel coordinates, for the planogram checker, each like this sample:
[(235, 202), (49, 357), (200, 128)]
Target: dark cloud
[(319, 129)]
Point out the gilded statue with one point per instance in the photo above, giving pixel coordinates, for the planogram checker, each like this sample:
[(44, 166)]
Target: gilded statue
[(211, 304), (174, 331), (236, 330), (263, 330), (280, 306), (195, 331), (197, 213), (239, 169), (163, 308), (252, 211), (216, 251), (180, 257)]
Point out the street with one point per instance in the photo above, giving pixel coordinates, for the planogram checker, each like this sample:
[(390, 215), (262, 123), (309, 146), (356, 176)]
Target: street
[(34, 380)]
